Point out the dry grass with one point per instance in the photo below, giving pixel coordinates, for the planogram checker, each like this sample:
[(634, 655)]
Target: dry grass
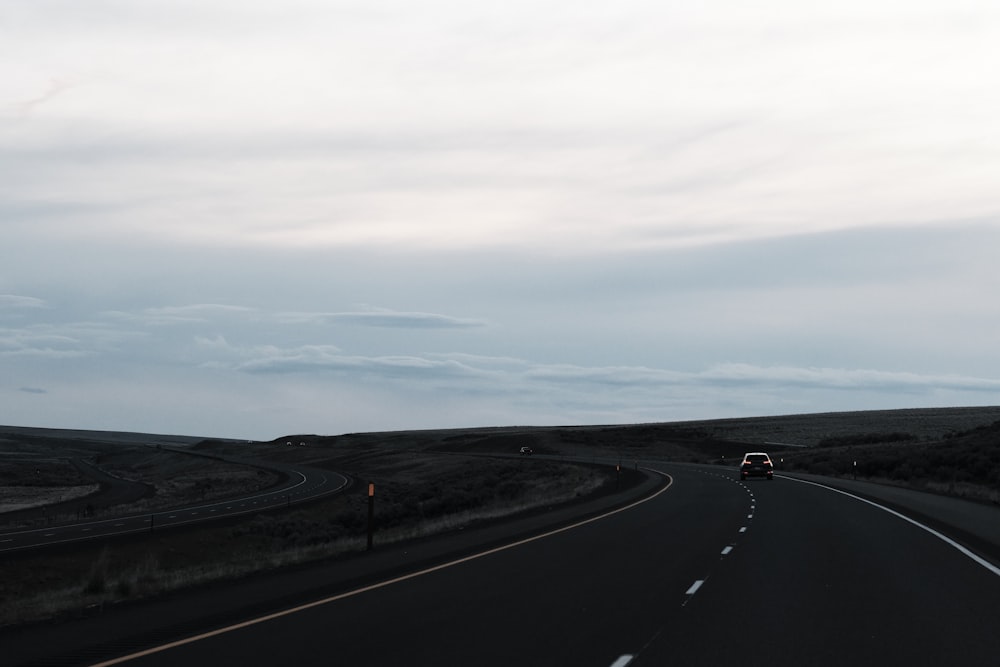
[(966, 490), (180, 478), (14, 498), (810, 429), (38, 474), (39, 586), (34, 476)]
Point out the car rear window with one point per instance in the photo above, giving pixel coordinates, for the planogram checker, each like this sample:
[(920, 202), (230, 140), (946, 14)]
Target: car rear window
[(756, 458)]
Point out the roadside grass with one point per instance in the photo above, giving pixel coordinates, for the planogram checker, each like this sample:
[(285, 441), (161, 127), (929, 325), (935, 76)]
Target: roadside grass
[(964, 465), (29, 479), (181, 478), (39, 471), (808, 430), (14, 498), (416, 496), (176, 478)]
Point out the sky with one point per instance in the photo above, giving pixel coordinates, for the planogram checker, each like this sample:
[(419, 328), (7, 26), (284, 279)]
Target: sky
[(250, 219)]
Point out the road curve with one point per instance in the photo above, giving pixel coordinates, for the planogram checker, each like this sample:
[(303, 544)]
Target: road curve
[(713, 571)]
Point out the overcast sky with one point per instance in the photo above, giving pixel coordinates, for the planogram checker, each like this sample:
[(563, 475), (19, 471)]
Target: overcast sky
[(240, 218)]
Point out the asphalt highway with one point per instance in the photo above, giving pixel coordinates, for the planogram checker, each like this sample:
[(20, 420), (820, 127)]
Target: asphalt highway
[(707, 571), (300, 483)]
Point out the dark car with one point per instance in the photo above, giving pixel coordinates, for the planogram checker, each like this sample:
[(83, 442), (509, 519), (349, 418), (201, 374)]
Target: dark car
[(756, 464), (526, 451)]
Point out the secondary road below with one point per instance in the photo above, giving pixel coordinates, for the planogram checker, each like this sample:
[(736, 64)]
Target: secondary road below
[(301, 483)]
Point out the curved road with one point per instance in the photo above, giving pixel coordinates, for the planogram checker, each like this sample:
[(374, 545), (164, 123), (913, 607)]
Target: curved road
[(301, 483), (709, 571)]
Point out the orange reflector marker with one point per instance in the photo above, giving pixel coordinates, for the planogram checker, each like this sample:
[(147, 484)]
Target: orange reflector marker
[(371, 490)]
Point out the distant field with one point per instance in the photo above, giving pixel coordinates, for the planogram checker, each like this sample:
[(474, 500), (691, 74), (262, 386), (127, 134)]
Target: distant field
[(36, 472), (810, 429)]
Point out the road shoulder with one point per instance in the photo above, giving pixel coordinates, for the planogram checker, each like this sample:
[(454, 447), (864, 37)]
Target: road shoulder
[(975, 526)]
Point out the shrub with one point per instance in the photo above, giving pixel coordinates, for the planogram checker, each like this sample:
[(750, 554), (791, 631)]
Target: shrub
[(97, 579), (864, 439)]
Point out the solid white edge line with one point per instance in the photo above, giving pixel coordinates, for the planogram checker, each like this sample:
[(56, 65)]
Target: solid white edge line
[(944, 538), (622, 661), (382, 584)]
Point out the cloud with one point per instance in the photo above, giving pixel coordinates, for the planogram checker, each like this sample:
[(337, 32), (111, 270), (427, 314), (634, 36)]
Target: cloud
[(328, 359), (544, 129), (403, 320), (375, 317), (382, 318), (40, 342), (504, 375), (742, 375), (736, 374), (60, 340), (194, 313), (33, 390), (607, 376), (12, 302), (555, 229), (55, 87)]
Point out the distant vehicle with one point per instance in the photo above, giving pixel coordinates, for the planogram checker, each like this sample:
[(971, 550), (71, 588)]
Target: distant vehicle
[(526, 451), (756, 464)]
